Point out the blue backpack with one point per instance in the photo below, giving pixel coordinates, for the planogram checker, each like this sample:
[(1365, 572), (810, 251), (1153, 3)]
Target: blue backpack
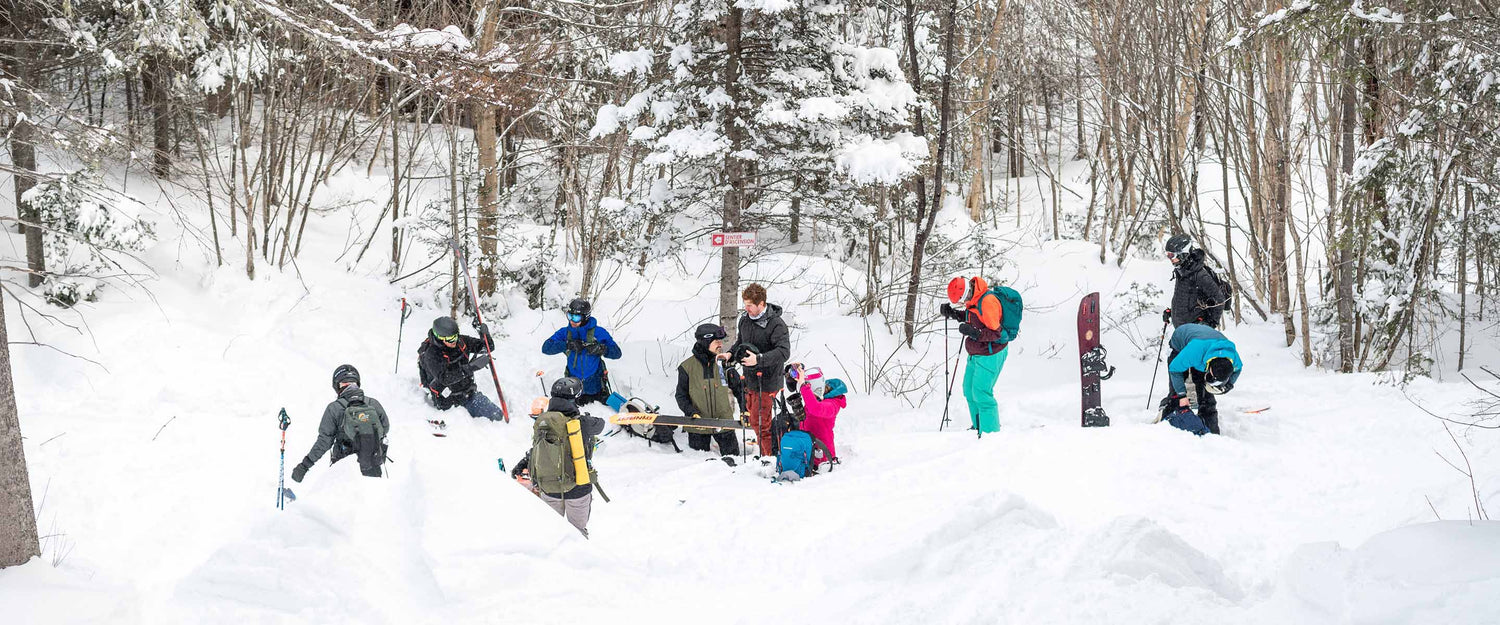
[(796, 453), (1010, 312)]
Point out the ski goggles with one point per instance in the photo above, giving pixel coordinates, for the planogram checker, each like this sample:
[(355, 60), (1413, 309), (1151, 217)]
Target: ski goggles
[(448, 339), (1172, 255), (575, 318)]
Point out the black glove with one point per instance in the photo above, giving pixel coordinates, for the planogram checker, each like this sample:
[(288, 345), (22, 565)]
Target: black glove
[(968, 330), (300, 471), (955, 314), (1166, 315), (479, 362), (484, 334), (595, 349), (575, 346)]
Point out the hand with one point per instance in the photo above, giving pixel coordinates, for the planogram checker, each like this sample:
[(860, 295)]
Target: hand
[(750, 359), (950, 312), (575, 346), (595, 349), (300, 471), (482, 329), (479, 362), (1182, 402), (968, 330), (1166, 315)]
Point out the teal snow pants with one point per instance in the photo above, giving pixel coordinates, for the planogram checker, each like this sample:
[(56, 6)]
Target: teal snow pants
[(979, 389)]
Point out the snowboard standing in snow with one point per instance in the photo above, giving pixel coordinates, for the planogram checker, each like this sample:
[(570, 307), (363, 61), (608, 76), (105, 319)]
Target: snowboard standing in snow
[(1091, 365)]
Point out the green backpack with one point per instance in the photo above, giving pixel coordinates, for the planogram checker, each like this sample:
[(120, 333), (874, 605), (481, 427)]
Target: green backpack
[(552, 465), (1010, 312), (361, 419)]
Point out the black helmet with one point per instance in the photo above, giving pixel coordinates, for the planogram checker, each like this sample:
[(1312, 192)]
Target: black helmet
[(345, 373), (567, 387), (444, 327), (580, 307), (1181, 245), (1218, 371)]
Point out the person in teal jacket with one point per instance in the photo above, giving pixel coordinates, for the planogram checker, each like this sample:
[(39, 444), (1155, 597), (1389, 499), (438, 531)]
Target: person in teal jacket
[(1202, 365)]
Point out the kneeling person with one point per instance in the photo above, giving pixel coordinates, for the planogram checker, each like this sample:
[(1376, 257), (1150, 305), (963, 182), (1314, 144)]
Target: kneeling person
[(704, 391), (447, 361), (352, 425), (560, 461)]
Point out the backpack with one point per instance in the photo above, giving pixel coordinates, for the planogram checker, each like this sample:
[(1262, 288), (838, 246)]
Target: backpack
[(361, 420), (1010, 312), (796, 453), (556, 461), (1224, 286)]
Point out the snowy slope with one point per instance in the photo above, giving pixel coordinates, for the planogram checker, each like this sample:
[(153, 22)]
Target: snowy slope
[(155, 470)]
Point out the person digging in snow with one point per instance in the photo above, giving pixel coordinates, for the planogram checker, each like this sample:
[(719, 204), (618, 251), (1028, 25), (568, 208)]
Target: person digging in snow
[(978, 312), (1197, 297), (762, 347), (586, 345), (705, 391), (1203, 364), (353, 425), (447, 361), (559, 449)]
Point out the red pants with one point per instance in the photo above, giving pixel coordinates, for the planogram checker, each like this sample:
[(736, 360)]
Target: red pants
[(761, 407)]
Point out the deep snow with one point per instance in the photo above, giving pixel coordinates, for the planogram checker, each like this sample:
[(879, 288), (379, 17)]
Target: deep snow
[(154, 470)]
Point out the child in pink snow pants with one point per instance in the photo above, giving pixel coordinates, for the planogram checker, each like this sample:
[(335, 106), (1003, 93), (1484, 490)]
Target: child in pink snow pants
[(821, 400)]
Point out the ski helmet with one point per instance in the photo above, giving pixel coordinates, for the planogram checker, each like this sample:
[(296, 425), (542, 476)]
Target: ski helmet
[(709, 332), (445, 327), (345, 373), (580, 307), (567, 387), (1218, 371), (1180, 245), (958, 290)]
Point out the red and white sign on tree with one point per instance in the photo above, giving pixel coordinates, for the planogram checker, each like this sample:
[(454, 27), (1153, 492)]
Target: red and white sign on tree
[(733, 239)]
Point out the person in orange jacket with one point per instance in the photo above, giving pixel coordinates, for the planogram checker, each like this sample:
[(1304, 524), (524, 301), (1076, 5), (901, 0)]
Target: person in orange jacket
[(978, 313)]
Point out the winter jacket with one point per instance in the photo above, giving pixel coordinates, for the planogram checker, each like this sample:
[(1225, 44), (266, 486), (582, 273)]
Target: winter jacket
[(1193, 345), (581, 364), (591, 428), (821, 415), (770, 335), (1197, 297), (719, 404), (984, 312), (330, 429), (449, 368)]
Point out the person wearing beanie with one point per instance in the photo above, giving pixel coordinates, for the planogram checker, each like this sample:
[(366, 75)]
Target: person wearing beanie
[(1203, 364), (353, 425), (447, 361), (704, 390)]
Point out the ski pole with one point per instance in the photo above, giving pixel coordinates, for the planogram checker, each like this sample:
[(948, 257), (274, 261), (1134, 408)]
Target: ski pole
[(283, 421), (405, 312), (474, 301), (1159, 344), (539, 382), (949, 394)]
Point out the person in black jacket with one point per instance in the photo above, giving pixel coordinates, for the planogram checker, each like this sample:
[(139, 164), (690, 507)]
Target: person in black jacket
[(576, 503), (762, 346), (447, 361), (706, 388), (364, 440), (1198, 298)]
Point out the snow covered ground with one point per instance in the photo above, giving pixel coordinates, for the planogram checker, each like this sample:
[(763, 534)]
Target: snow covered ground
[(154, 471)]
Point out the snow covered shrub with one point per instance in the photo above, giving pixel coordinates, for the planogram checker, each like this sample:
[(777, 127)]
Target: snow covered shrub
[(88, 228), (540, 274)]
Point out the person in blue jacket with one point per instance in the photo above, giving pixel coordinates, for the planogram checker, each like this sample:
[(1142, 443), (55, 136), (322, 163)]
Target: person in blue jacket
[(1202, 365), (586, 346)]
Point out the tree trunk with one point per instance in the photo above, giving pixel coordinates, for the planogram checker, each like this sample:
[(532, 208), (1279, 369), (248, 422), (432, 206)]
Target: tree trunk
[(909, 28), (1344, 270), (945, 106), (23, 156), (18, 539), (734, 174), (157, 78), (484, 143)]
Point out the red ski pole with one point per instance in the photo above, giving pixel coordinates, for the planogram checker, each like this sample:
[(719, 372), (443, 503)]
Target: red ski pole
[(474, 301)]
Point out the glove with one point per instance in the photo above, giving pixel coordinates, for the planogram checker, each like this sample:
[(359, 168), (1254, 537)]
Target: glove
[(482, 329), (479, 362), (575, 345), (957, 314), (968, 330), (1166, 315), (595, 349), (300, 471)]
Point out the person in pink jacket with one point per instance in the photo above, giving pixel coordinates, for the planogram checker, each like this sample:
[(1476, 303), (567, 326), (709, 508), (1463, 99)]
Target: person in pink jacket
[(822, 400)]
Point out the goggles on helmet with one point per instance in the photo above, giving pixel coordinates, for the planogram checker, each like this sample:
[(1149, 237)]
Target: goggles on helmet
[(448, 339), (575, 317)]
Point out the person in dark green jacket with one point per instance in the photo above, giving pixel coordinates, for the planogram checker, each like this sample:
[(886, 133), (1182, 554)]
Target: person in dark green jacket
[(353, 425), (705, 389)]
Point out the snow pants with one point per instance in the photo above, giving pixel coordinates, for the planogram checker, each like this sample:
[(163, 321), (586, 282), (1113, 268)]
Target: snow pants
[(760, 407), (575, 510), (979, 389), (480, 406)]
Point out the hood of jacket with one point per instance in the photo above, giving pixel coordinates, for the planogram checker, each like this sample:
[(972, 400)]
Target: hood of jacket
[(773, 311), (565, 406)]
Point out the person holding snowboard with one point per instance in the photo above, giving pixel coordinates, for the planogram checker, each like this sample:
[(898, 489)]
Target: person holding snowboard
[(352, 425), (1203, 364), (586, 345), (704, 391), (979, 313), (447, 361), (762, 347), (1198, 296), (560, 461), (821, 401)]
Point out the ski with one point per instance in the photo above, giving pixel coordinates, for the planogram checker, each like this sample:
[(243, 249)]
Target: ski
[(1258, 411), (640, 418), (439, 427), (1091, 365)]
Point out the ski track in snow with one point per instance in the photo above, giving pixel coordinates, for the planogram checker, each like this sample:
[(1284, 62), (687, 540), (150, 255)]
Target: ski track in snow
[(1316, 511)]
